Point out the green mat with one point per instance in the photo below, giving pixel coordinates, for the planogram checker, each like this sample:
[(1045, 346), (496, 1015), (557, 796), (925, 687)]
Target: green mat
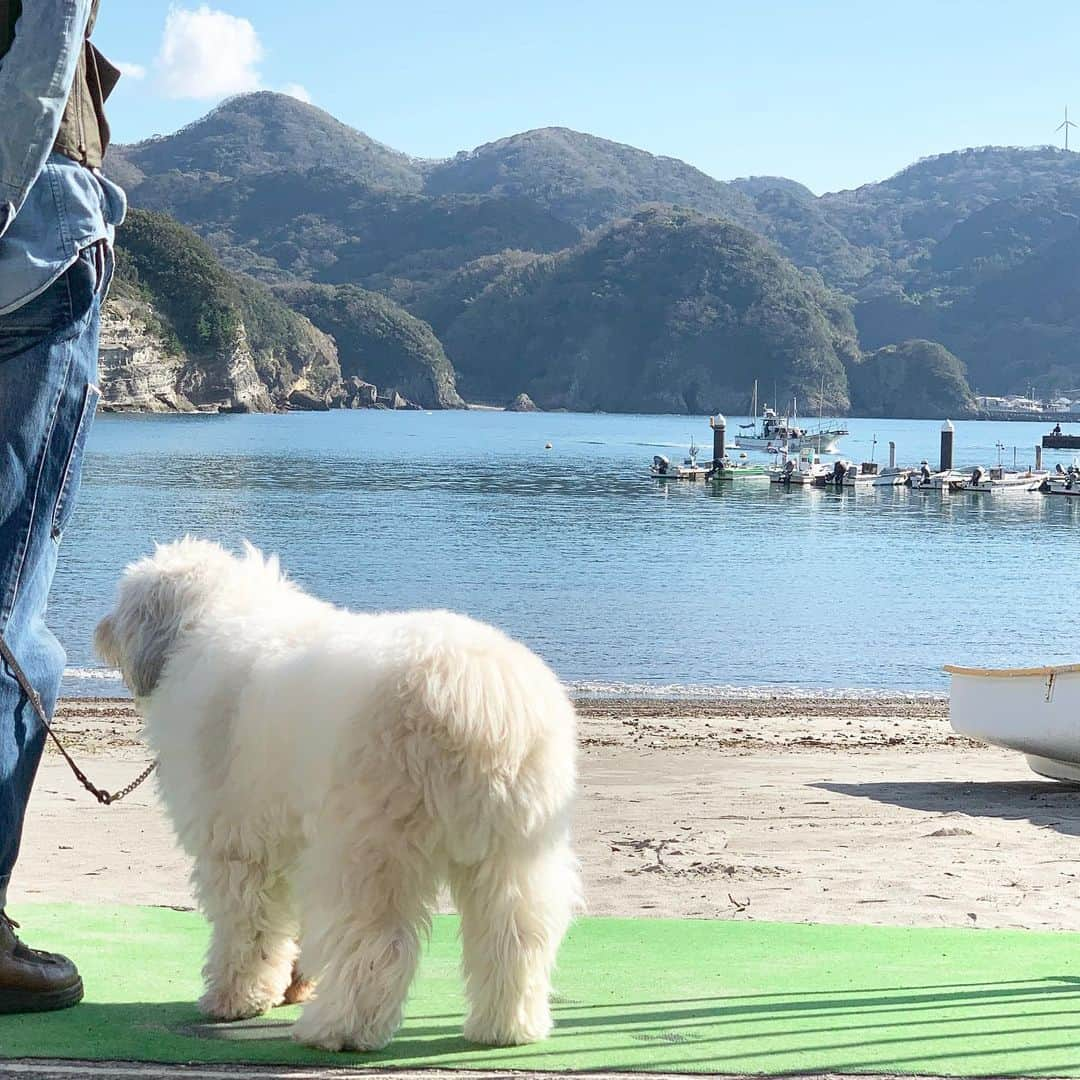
[(680, 996)]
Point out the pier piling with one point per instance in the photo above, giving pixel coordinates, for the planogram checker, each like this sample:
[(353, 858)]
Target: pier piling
[(1038, 457), (945, 463), (892, 454), (719, 429)]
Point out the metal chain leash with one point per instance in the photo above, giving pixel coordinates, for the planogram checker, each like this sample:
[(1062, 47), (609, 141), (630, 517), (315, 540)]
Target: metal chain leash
[(104, 797)]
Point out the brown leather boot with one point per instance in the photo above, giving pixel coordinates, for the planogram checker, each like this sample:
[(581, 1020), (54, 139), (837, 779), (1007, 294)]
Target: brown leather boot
[(33, 981)]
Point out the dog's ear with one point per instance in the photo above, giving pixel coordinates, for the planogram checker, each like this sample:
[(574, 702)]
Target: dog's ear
[(139, 634), (147, 650), (105, 643)]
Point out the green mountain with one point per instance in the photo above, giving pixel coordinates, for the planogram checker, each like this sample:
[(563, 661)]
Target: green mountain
[(240, 347), (378, 341), (322, 225), (970, 249), (583, 179), (259, 133), (670, 311), (920, 379)]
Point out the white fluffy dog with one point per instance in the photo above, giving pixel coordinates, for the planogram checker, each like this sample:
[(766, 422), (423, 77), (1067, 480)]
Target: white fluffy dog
[(328, 770)]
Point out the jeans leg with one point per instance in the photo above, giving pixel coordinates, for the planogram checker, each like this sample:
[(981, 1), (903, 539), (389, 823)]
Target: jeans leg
[(48, 393)]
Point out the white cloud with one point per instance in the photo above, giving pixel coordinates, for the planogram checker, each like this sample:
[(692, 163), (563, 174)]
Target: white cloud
[(294, 89), (129, 70), (208, 54)]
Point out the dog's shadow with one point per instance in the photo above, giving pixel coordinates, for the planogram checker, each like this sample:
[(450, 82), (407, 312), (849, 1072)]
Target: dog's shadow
[(852, 1029)]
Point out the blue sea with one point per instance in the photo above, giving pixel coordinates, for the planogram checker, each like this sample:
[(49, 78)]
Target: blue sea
[(624, 584)]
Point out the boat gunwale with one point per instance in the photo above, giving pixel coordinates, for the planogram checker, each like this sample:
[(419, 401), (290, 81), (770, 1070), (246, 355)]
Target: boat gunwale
[(1013, 673)]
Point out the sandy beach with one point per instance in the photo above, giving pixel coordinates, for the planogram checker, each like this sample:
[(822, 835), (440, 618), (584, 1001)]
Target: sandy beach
[(824, 810)]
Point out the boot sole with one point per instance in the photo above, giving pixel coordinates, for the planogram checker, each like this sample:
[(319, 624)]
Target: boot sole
[(24, 1001)]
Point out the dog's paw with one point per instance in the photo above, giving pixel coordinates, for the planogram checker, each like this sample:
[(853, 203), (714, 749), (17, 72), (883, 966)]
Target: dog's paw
[(502, 1032), (299, 990), (319, 1035), (232, 1003)]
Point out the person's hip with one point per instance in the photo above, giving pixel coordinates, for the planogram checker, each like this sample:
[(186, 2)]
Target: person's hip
[(48, 396)]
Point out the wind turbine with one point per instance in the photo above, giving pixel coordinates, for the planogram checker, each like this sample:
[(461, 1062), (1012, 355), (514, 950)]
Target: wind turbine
[(1065, 126)]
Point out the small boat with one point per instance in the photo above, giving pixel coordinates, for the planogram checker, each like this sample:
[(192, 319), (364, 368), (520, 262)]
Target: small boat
[(922, 479), (997, 479), (1030, 710), (663, 469), (1062, 481), (846, 474), (740, 469), (892, 476), (802, 470)]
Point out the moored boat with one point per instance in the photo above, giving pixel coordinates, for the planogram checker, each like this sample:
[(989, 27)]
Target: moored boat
[(999, 480), (690, 469), (922, 479), (1062, 481), (848, 474), (800, 470), (892, 476), (1030, 710), (738, 469)]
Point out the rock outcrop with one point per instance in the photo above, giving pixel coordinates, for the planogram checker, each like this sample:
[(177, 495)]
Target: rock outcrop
[(229, 381), (136, 370), (522, 403)]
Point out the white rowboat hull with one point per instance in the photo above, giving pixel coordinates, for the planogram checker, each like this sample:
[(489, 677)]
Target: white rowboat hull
[(1035, 711)]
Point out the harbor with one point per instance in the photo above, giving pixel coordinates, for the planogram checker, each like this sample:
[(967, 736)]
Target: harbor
[(790, 456)]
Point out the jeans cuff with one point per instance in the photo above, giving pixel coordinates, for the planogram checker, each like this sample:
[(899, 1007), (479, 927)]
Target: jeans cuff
[(3, 892)]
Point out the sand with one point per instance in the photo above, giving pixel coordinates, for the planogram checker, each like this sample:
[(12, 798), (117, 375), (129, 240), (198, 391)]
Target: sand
[(821, 810)]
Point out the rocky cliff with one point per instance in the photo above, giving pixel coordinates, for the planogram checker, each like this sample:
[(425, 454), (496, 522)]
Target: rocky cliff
[(136, 371)]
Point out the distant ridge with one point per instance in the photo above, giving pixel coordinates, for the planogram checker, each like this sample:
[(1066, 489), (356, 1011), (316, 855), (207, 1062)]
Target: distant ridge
[(971, 249)]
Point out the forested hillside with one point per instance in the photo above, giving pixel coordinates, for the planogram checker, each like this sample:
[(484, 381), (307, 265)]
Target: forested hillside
[(498, 252)]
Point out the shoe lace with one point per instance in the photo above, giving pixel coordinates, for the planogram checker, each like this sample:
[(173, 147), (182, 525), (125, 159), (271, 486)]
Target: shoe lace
[(20, 946)]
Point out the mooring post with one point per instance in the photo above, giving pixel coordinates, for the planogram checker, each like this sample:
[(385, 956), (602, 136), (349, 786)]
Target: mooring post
[(1038, 457), (945, 463), (719, 428), (892, 454)]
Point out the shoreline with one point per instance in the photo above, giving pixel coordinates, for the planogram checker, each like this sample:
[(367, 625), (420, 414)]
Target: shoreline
[(111, 726)]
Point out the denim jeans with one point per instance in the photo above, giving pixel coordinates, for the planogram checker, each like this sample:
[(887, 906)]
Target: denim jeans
[(48, 394)]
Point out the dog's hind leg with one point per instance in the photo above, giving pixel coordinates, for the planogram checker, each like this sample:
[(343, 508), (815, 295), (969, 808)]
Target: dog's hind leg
[(515, 908), (253, 946), (361, 942)]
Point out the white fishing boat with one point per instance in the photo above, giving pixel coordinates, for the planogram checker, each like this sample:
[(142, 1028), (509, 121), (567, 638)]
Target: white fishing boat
[(998, 480), (803, 469), (892, 477), (848, 474), (922, 479), (772, 432), (690, 469), (1030, 710)]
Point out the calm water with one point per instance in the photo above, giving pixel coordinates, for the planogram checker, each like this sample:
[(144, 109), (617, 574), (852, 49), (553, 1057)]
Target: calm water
[(621, 583)]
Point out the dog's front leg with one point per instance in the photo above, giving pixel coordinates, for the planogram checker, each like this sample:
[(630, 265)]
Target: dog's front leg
[(252, 948)]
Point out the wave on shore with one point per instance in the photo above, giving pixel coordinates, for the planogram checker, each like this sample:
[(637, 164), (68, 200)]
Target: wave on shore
[(107, 682)]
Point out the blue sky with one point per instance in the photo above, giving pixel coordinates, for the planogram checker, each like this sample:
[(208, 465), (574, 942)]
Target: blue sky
[(833, 94)]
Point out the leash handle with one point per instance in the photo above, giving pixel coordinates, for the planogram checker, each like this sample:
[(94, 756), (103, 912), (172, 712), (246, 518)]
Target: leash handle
[(104, 797)]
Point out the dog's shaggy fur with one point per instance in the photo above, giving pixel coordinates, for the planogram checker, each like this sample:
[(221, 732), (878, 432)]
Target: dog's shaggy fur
[(328, 770)]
